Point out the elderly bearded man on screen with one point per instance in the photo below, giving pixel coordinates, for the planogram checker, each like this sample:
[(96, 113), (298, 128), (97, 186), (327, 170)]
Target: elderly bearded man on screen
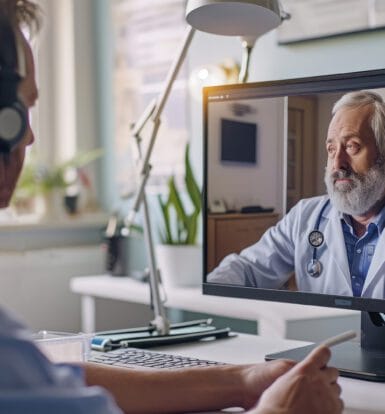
[(334, 243)]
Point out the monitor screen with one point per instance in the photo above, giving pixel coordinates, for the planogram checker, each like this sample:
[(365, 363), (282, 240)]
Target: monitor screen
[(296, 241)]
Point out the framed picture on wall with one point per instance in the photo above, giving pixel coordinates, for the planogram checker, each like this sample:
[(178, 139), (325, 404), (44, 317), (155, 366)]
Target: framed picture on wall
[(316, 19)]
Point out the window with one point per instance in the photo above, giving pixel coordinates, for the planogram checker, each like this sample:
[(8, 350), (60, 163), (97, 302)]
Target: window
[(64, 120), (146, 40)]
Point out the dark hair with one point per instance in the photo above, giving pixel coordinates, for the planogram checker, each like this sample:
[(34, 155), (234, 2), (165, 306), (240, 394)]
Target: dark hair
[(15, 15), (21, 13)]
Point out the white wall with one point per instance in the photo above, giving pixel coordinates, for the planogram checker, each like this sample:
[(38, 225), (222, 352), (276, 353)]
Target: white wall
[(242, 185), (35, 285), (336, 55)]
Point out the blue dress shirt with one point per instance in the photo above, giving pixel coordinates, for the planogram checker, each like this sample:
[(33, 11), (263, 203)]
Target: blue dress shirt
[(360, 251), (30, 383)]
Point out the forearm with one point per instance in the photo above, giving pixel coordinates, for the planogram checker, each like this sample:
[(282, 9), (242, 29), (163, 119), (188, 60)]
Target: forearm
[(170, 391)]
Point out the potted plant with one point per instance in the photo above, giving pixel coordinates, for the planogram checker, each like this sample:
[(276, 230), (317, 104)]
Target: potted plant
[(179, 255), (52, 183)]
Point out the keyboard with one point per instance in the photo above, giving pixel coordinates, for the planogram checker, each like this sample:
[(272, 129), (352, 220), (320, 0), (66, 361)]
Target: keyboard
[(142, 358)]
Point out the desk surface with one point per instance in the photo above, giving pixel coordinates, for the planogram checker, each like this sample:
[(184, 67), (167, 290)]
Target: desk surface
[(360, 397)]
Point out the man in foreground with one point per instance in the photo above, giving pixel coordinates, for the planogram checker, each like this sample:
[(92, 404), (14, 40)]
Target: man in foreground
[(29, 382)]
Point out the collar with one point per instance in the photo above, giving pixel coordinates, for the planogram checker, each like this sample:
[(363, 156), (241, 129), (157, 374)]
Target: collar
[(378, 220)]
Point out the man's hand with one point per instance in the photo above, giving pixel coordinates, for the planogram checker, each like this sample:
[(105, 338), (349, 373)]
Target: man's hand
[(257, 378), (309, 387)]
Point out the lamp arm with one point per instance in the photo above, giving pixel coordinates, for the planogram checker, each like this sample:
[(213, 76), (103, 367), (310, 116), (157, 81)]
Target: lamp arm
[(248, 43), (284, 15), (153, 113), (244, 72), (173, 73), (142, 121)]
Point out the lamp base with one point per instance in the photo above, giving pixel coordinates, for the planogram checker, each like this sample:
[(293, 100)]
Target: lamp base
[(147, 337)]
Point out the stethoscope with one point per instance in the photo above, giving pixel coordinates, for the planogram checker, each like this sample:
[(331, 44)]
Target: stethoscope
[(316, 239)]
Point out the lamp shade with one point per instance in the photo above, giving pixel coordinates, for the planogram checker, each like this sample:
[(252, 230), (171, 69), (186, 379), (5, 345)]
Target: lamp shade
[(234, 18)]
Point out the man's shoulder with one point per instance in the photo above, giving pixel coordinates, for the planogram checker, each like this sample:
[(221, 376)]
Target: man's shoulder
[(11, 325)]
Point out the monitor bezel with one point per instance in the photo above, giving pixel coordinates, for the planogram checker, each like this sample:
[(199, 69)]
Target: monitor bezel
[(344, 82)]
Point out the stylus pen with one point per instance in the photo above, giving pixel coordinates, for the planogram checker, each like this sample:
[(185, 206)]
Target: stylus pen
[(335, 340)]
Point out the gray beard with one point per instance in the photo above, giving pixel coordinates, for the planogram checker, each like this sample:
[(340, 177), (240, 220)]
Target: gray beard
[(359, 196)]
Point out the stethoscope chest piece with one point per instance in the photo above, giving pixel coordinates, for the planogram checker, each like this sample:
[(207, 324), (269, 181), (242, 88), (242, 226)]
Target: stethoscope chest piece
[(314, 268), (316, 238)]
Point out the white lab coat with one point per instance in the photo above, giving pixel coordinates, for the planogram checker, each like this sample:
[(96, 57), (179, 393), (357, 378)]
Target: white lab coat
[(285, 248)]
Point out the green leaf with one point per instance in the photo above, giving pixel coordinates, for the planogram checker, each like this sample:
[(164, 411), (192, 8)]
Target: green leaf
[(176, 201), (192, 228), (166, 235), (37, 178), (191, 184), (81, 159), (181, 227)]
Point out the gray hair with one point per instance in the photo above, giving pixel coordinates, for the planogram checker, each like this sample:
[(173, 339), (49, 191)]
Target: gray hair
[(377, 122)]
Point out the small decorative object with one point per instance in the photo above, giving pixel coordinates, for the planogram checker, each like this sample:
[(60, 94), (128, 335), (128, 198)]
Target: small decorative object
[(179, 256), (118, 244)]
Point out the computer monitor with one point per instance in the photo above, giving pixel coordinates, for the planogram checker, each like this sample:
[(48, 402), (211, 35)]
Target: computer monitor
[(292, 118)]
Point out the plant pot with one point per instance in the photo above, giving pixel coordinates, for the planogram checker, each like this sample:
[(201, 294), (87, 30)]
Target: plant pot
[(54, 204), (179, 265)]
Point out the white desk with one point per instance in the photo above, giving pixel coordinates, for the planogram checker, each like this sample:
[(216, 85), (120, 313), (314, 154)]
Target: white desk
[(360, 397), (272, 317)]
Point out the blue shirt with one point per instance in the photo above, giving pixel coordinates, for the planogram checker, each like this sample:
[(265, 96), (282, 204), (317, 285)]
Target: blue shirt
[(360, 251), (30, 383)]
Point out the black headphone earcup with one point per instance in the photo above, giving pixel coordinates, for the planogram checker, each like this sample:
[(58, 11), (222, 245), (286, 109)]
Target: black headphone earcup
[(13, 124), (13, 114)]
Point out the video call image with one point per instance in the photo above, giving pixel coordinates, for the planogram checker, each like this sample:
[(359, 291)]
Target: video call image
[(275, 205)]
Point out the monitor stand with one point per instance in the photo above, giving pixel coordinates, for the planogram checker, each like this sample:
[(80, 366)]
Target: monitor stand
[(363, 361)]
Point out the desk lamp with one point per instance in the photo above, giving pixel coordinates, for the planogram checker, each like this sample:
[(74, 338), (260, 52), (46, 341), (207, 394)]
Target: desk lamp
[(223, 17)]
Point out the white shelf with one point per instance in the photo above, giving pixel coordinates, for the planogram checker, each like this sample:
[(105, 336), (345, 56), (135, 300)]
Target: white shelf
[(272, 317)]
